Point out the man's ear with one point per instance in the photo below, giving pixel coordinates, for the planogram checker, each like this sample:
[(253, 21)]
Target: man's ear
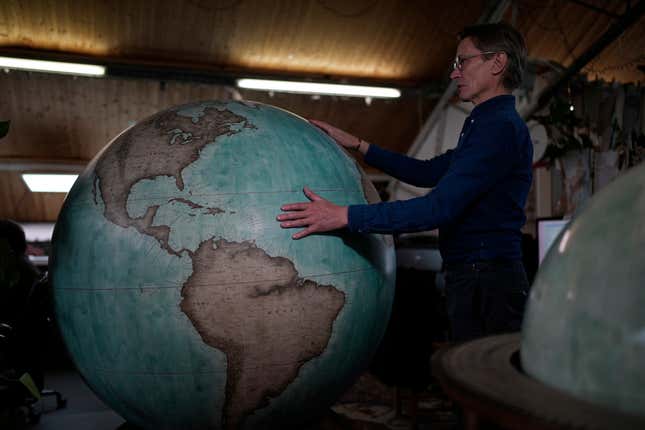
[(499, 62)]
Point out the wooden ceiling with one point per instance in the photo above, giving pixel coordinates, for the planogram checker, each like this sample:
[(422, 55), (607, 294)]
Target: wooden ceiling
[(58, 118), (561, 31), (383, 40)]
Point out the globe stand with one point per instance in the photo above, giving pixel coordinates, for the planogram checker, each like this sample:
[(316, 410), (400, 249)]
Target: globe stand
[(485, 378)]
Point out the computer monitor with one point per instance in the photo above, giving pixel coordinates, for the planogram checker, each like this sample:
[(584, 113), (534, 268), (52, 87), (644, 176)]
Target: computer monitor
[(547, 231)]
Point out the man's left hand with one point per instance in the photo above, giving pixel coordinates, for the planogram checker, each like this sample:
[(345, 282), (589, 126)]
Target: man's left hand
[(317, 216)]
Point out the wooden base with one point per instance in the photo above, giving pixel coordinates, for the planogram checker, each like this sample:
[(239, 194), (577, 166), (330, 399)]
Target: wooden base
[(484, 377)]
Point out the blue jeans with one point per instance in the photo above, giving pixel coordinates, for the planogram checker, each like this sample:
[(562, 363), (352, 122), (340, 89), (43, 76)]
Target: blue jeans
[(485, 298)]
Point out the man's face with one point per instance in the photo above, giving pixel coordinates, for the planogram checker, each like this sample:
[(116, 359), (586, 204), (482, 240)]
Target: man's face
[(476, 80)]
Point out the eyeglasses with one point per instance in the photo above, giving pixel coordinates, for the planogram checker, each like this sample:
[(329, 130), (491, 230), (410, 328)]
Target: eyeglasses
[(458, 64)]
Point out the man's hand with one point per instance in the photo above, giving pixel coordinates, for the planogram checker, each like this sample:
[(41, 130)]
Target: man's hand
[(341, 137), (317, 216)]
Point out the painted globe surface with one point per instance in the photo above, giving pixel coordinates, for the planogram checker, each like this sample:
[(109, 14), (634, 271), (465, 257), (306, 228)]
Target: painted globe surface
[(584, 329), (181, 300)]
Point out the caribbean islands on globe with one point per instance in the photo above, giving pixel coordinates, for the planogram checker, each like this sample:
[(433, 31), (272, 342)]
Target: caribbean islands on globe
[(182, 302)]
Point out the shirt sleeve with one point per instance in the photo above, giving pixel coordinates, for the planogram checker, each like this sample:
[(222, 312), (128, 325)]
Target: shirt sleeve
[(485, 158), (420, 173)]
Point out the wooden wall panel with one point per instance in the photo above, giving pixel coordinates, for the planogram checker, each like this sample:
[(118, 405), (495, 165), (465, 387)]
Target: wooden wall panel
[(62, 117), (20, 204), (392, 124)]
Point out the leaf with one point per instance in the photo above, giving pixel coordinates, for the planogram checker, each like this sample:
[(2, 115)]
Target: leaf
[(561, 123), (4, 128)]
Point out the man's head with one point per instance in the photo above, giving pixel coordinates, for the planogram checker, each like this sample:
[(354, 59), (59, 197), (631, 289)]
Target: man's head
[(490, 61)]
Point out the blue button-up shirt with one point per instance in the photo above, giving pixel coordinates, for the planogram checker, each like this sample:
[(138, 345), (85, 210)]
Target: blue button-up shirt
[(480, 188)]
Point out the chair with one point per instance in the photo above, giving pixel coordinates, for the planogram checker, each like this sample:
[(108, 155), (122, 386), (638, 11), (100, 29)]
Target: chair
[(22, 334)]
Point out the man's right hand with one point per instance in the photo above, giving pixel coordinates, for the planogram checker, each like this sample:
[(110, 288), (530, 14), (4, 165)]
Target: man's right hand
[(341, 137)]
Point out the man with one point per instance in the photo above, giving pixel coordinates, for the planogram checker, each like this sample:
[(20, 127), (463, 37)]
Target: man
[(480, 190)]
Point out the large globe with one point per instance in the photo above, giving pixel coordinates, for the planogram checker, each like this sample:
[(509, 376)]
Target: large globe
[(584, 330), (181, 300)]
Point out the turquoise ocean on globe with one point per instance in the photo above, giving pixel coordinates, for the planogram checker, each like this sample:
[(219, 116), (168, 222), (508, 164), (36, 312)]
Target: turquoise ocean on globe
[(181, 300)]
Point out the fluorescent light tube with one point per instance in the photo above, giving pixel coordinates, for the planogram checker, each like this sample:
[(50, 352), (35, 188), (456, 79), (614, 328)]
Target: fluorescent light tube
[(52, 66), (318, 88), (49, 182)]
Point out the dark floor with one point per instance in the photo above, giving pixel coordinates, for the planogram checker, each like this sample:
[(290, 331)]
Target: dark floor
[(368, 405), (84, 411)]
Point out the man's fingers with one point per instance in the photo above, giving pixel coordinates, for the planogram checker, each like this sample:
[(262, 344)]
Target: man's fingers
[(305, 214), (303, 222), (295, 206), (291, 215), (303, 233), (310, 194)]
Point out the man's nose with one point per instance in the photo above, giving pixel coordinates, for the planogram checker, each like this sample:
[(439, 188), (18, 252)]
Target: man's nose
[(455, 74)]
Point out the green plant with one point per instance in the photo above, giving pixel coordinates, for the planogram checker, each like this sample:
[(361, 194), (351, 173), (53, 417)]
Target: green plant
[(562, 126)]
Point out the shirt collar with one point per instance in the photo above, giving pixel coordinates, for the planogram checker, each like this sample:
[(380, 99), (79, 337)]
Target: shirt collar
[(505, 101)]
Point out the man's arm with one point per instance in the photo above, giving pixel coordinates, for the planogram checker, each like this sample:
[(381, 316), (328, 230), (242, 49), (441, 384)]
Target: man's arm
[(485, 159), (420, 173)]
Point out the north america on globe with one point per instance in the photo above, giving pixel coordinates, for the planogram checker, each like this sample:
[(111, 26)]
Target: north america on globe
[(178, 141)]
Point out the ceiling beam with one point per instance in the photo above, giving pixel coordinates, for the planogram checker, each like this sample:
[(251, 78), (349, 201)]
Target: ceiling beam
[(30, 165), (629, 18), (595, 8)]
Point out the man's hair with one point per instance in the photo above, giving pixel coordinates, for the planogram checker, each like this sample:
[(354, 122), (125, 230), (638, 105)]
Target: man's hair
[(15, 236), (500, 37)]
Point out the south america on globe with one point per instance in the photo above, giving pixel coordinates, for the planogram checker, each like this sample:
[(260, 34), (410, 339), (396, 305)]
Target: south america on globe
[(182, 302)]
